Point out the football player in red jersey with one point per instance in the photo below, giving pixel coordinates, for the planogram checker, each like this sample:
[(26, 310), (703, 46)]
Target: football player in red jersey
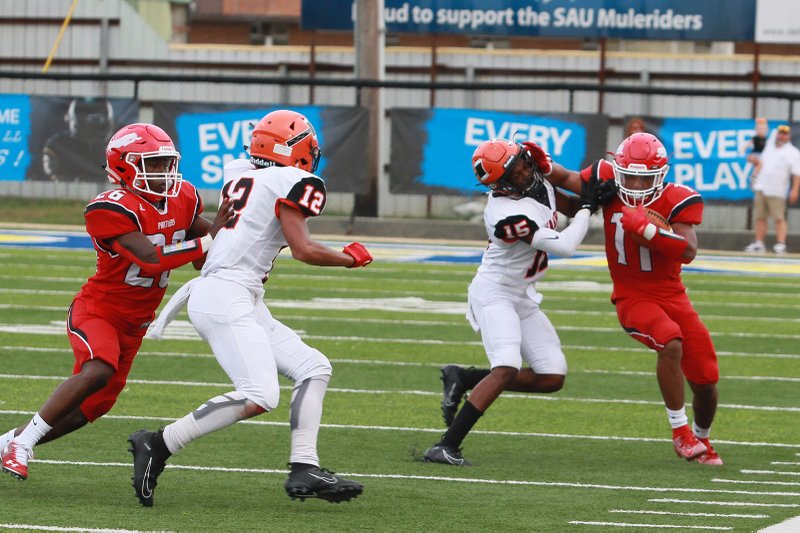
[(650, 298), (141, 230)]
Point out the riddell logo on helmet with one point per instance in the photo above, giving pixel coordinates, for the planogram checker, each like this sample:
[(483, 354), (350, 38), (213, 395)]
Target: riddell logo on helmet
[(125, 140)]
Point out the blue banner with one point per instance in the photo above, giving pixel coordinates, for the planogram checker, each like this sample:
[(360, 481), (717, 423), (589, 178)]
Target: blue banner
[(709, 20), (15, 131), (58, 138), (708, 154), (432, 149), (210, 135), (209, 140)]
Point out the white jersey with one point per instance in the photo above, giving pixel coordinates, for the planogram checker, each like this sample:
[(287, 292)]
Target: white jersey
[(244, 251), (508, 259)]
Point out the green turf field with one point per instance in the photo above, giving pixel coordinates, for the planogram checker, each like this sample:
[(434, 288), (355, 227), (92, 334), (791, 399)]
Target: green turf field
[(591, 456)]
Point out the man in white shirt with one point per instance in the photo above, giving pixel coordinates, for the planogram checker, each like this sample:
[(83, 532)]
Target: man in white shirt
[(780, 163)]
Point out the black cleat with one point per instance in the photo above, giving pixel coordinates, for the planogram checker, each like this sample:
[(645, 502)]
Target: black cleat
[(439, 453), (453, 392), (323, 484), (146, 466)]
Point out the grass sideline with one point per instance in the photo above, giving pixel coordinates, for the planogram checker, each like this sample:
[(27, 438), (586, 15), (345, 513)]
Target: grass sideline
[(597, 452)]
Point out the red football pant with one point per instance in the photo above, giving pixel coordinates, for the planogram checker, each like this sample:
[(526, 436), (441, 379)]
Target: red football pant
[(655, 322), (93, 337)]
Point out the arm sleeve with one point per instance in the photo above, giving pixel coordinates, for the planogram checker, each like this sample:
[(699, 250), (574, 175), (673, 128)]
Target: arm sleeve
[(169, 256), (563, 243)]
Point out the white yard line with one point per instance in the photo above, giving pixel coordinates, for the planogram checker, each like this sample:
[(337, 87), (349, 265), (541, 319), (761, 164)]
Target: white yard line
[(752, 482), (646, 526), (456, 322), (770, 472), (382, 392), (682, 513), (649, 374), (567, 347), (728, 504), (451, 479), (183, 330), (350, 427), (31, 527)]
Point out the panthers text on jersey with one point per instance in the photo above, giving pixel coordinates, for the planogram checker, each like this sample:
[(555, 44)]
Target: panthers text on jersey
[(245, 249), (508, 259), (119, 291), (635, 269)]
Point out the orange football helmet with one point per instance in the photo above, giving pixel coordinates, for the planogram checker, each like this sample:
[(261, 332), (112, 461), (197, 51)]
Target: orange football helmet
[(285, 138), (496, 164)]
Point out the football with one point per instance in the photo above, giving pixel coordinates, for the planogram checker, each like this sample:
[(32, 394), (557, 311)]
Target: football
[(656, 218)]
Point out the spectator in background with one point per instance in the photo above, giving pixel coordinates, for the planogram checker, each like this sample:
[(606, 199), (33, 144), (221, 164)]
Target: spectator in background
[(634, 125), (70, 155), (756, 145), (779, 174)]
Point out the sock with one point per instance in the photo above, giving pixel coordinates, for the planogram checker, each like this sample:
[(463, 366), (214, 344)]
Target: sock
[(297, 468), (699, 432), (217, 413), (677, 418), (305, 416), (462, 424), (159, 446), (5, 438), (33, 432), (472, 376)]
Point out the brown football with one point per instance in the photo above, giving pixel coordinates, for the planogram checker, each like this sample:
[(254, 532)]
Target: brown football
[(656, 218)]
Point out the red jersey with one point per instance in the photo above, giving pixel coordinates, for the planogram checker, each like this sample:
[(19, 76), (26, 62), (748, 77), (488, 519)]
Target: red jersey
[(637, 270), (118, 291)]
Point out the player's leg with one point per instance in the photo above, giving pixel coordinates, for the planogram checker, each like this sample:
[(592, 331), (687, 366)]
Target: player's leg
[(96, 347), (541, 349), (702, 372), (311, 371), (646, 321), (222, 313), (494, 311)]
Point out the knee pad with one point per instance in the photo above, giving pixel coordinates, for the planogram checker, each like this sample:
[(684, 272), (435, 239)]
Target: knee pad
[(265, 397), (314, 366)]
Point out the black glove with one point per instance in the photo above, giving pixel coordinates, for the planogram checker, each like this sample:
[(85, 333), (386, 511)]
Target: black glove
[(596, 193)]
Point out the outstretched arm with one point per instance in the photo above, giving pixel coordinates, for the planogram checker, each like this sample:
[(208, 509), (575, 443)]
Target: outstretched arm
[(312, 252), (566, 242)]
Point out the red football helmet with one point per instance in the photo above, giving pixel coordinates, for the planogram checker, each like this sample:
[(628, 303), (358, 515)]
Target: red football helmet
[(142, 157), (495, 162), (640, 165), (285, 138)]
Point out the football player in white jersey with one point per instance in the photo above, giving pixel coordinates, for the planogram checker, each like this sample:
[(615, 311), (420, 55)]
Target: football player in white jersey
[(503, 303), (273, 193)]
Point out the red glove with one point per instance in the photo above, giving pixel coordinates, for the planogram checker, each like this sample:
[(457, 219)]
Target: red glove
[(542, 159), (359, 253), (634, 220)]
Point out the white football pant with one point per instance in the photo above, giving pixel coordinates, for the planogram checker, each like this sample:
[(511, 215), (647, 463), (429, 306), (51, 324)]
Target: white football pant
[(513, 327)]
